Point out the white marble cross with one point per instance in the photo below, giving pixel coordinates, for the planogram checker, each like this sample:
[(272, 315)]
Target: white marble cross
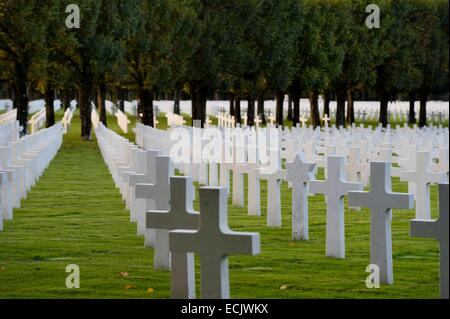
[(258, 121), (271, 119), (253, 190), (180, 216), (139, 206), (303, 120), (326, 119), (299, 173), (159, 192), (357, 171), (238, 196), (274, 176), (3, 181), (381, 200), (213, 242), (422, 177), (335, 188), (437, 230)]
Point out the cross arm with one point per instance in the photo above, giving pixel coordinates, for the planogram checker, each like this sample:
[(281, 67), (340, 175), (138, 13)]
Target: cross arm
[(181, 241), (157, 219), (399, 201), (242, 243), (138, 179), (317, 187), (358, 199), (143, 190), (423, 228)]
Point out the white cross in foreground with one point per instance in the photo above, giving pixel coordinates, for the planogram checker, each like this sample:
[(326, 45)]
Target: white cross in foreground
[(299, 173), (335, 188), (180, 216), (213, 242), (422, 177), (437, 230), (380, 200), (160, 194)]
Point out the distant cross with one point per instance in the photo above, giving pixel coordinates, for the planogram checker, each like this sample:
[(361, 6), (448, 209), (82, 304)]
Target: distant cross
[(245, 118), (258, 121), (335, 188), (208, 122), (181, 215), (326, 119), (303, 120), (422, 177), (214, 242), (437, 230), (299, 173), (3, 182), (381, 200), (159, 192), (443, 164), (357, 171), (272, 119)]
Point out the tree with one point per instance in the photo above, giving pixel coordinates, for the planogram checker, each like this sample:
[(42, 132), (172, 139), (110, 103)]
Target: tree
[(23, 28)]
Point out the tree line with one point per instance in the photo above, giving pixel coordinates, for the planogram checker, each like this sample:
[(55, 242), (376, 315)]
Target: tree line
[(244, 49)]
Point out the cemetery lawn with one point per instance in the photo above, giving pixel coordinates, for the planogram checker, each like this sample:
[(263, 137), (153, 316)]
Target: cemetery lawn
[(75, 215)]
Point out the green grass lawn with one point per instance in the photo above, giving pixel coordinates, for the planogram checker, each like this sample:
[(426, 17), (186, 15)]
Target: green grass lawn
[(75, 215)]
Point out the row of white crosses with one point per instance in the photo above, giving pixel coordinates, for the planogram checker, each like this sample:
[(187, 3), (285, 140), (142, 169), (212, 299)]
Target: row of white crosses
[(67, 118), (335, 188), (122, 120), (378, 151), (22, 163), (170, 224), (174, 120), (37, 121), (8, 117)]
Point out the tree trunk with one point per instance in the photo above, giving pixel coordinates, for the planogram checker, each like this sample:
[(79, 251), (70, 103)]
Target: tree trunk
[(350, 108), (412, 110), (314, 106), (423, 110), (251, 111), (65, 98), (101, 104), (326, 102), (262, 115), (49, 108), (279, 107), (146, 106), (176, 103), (295, 91), (340, 109), (199, 97), (290, 114), (85, 102), (384, 101), (120, 99), (21, 95), (237, 109), (231, 99)]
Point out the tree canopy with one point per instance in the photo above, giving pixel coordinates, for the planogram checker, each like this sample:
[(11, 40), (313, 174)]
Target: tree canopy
[(244, 49)]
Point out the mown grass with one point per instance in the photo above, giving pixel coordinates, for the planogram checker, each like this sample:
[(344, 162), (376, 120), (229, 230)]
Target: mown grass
[(75, 215)]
